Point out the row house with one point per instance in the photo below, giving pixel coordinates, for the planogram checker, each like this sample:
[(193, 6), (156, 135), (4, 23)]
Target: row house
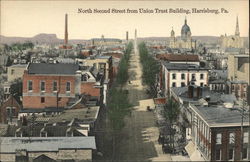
[(180, 75), (55, 85)]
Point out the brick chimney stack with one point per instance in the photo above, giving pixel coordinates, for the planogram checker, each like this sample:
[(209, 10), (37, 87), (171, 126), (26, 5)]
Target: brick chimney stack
[(66, 30)]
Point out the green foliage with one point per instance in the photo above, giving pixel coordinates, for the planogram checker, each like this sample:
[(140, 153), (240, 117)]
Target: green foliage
[(150, 67), (16, 89), (118, 103), (19, 46), (171, 110), (9, 61), (122, 74), (118, 108)]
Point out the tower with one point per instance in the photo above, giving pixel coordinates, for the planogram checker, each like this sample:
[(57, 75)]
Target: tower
[(127, 36), (135, 34), (237, 30), (66, 30)]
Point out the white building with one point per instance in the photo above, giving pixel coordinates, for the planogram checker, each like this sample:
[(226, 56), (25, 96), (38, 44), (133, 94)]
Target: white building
[(179, 75)]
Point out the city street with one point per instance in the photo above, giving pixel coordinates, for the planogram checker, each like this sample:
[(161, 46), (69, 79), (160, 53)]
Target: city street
[(140, 135)]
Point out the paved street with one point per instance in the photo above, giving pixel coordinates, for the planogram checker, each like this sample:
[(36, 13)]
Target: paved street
[(140, 135)]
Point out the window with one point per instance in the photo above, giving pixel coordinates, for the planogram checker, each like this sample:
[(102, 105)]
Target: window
[(201, 84), (201, 76), (12, 71), (218, 138), (42, 99), (231, 138), (174, 76), (10, 111), (55, 86), (245, 139), (217, 154), (232, 87), (231, 154), (193, 76), (173, 84), (244, 153), (183, 84), (182, 76), (30, 88), (42, 86), (68, 86)]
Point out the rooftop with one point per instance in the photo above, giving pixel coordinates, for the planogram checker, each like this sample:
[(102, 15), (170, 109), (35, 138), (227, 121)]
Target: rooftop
[(53, 68), (11, 144), (219, 115), (176, 57), (180, 66)]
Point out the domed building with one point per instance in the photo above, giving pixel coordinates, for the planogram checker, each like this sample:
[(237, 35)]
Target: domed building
[(185, 41)]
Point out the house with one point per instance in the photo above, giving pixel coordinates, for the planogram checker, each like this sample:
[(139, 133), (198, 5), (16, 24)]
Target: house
[(9, 110), (16, 71), (52, 148), (55, 85)]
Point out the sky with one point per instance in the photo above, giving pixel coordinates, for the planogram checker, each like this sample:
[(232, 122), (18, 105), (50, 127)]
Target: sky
[(29, 18)]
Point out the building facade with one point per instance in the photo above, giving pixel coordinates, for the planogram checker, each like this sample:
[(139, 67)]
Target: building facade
[(186, 39), (55, 85), (238, 67), (180, 75)]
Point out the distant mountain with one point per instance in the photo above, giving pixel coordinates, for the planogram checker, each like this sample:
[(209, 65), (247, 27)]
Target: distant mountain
[(40, 38)]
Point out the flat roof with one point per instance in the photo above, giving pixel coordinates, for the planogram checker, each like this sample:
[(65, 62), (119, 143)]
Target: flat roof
[(182, 66), (219, 115), (11, 144), (53, 68)]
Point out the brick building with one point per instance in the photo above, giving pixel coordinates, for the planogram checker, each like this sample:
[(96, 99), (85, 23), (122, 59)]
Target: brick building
[(48, 85), (9, 110), (213, 123)]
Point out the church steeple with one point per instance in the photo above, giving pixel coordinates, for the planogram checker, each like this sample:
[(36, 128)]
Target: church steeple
[(185, 20), (237, 30)]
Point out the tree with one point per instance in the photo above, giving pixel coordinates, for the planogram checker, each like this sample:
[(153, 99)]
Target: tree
[(171, 113), (9, 61), (16, 89), (150, 68)]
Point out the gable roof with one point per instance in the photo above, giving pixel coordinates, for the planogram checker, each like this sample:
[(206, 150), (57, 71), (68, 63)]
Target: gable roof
[(53, 68)]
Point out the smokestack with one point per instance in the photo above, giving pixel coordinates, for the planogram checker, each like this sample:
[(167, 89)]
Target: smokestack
[(127, 36), (66, 30), (135, 34)]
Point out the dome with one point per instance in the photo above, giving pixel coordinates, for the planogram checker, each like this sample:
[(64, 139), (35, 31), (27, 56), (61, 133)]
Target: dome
[(185, 29)]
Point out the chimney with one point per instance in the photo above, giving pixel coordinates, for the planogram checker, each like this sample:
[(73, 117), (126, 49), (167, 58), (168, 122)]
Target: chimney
[(190, 91), (199, 92), (66, 30)]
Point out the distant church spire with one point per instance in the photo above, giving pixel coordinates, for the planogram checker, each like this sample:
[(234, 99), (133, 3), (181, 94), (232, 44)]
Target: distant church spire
[(185, 20), (237, 30)]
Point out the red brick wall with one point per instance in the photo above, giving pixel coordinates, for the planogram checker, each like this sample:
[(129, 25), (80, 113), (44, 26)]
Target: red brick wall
[(225, 143), (88, 88), (50, 101), (10, 102)]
